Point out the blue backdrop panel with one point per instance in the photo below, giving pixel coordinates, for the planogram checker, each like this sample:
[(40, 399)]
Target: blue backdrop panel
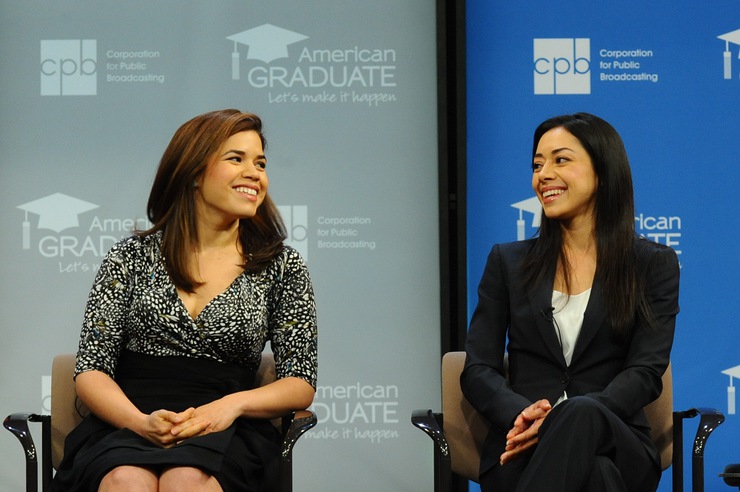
[(667, 76)]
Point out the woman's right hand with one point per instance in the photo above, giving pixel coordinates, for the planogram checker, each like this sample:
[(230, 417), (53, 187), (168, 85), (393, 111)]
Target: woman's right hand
[(157, 426)]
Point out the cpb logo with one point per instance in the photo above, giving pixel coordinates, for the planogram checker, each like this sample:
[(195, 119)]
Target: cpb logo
[(68, 67), (295, 218), (562, 66)]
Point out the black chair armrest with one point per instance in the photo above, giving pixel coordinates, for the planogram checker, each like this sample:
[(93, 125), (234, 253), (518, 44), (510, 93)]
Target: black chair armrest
[(709, 419), (294, 426), (17, 423), (433, 425)]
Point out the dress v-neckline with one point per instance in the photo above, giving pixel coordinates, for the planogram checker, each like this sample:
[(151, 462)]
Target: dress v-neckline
[(208, 304)]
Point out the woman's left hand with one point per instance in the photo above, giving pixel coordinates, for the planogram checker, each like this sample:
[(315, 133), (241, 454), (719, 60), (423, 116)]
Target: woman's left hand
[(524, 433), (215, 416)]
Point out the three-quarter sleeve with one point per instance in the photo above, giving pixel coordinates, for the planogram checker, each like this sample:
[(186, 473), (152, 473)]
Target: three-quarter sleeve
[(103, 328), (292, 320)]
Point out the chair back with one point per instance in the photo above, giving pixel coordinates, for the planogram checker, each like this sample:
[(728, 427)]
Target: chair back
[(67, 411), (465, 429), (660, 416)]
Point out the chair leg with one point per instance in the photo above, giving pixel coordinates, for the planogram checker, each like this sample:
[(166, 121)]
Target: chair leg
[(46, 468), (677, 466), (432, 425), (17, 423), (709, 420), (300, 422)]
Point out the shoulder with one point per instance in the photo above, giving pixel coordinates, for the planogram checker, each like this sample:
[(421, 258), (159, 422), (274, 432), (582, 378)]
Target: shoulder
[(505, 259), (136, 243), (291, 255), (658, 263), (649, 252), (136, 248), (288, 261), (288, 256), (513, 250)]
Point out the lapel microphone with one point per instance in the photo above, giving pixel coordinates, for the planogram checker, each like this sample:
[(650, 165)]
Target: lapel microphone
[(548, 314)]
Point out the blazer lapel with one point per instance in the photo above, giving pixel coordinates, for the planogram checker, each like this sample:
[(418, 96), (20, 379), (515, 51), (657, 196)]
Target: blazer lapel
[(593, 318), (540, 302)]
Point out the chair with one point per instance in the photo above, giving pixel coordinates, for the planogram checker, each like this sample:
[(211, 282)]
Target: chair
[(67, 412), (731, 475), (459, 431)]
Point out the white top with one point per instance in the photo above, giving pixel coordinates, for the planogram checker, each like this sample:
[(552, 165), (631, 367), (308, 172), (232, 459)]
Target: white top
[(568, 320)]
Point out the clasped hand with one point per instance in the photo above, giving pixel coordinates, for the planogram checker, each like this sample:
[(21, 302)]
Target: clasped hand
[(523, 435), (166, 428)]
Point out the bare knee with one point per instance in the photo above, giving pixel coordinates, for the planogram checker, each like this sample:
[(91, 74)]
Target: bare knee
[(185, 478), (129, 478)]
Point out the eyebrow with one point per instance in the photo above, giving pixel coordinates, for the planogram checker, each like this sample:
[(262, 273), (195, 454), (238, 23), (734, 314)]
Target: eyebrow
[(242, 154), (555, 151)]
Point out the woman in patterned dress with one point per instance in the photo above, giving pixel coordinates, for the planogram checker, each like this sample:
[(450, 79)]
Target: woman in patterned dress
[(176, 322)]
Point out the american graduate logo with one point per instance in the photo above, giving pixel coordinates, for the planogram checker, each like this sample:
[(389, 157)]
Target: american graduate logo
[(61, 227), (286, 64), (732, 40), (57, 212), (733, 373), (265, 43), (530, 206)]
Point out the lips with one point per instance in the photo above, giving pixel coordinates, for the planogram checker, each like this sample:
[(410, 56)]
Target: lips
[(551, 194), (246, 190)]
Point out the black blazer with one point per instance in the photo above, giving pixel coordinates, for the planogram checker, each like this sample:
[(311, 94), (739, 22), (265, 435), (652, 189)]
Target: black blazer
[(623, 375)]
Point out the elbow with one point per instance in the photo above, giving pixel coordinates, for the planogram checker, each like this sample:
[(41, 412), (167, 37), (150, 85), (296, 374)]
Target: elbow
[(305, 397), (302, 394)]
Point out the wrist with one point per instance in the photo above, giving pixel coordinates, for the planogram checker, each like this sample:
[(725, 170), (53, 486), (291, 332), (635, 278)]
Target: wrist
[(237, 404), (137, 423)]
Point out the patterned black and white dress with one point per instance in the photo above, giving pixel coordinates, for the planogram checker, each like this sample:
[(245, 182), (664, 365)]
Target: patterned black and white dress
[(137, 330)]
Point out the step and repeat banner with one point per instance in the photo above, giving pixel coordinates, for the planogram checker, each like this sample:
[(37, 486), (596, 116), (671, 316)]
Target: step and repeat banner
[(667, 76), (90, 94)]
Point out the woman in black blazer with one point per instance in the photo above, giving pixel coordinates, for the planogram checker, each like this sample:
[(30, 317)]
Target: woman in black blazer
[(586, 312)]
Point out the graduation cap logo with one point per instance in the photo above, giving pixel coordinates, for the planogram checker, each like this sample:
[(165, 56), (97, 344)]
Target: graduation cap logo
[(56, 212), (733, 372), (265, 43), (531, 205), (734, 38)]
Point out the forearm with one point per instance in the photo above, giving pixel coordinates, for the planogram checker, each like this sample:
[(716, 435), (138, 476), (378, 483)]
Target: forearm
[(102, 395), (275, 399)]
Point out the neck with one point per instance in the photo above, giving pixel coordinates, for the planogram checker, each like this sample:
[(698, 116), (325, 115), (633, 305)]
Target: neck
[(577, 267), (579, 236), (217, 237)]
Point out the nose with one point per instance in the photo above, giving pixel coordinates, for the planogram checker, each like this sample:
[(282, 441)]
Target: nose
[(249, 170), (547, 171)]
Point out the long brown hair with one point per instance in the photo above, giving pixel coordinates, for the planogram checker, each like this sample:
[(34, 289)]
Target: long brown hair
[(171, 205)]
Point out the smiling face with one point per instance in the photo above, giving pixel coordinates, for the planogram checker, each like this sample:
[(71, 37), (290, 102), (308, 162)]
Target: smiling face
[(234, 183), (563, 177)]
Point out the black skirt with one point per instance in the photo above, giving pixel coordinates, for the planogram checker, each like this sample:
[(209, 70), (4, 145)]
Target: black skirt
[(243, 458)]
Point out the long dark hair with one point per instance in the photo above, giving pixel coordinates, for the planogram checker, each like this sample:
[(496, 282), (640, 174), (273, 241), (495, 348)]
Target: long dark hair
[(171, 206), (614, 217)]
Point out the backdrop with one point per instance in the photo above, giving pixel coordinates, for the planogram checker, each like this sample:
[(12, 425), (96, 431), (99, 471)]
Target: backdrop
[(667, 76), (90, 94)]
